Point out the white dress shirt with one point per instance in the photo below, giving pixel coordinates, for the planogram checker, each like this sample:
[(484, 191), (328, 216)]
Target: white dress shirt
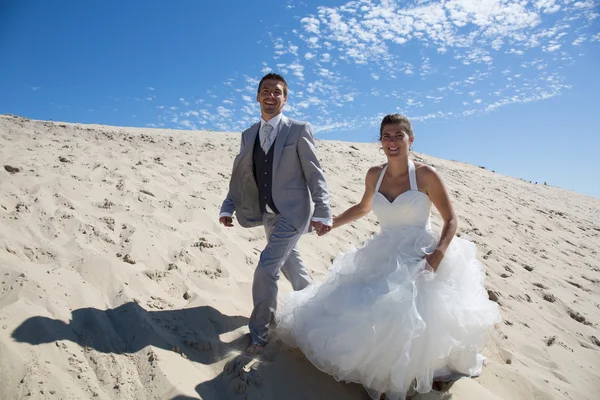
[(275, 123)]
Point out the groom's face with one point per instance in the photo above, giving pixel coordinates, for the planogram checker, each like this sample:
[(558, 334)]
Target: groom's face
[(271, 97)]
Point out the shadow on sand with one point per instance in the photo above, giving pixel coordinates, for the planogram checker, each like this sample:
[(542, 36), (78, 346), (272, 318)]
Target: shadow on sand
[(280, 372), (129, 328)]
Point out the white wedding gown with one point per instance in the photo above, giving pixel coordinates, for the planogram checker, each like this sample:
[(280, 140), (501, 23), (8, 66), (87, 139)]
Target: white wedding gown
[(381, 319)]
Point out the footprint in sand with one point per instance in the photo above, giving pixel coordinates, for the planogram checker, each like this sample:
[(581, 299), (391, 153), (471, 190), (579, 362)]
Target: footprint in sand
[(199, 344), (12, 170), (213, 267), (550, 341), (507, 356), (245, 371), (549, 297), (528, 267), (578, 317)]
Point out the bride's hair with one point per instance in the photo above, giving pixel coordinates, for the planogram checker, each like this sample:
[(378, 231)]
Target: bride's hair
[(396, 119)]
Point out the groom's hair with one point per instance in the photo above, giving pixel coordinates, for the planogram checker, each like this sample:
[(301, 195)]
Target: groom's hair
[(393, 119), (275, 77)]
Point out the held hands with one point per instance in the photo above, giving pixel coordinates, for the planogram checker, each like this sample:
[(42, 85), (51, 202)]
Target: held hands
[(227, 221), (320, 228)]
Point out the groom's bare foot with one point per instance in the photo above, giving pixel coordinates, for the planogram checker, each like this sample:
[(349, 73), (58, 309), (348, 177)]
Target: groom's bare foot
[(255, 349)]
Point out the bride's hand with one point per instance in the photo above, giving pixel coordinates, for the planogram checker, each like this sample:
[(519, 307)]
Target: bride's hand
[(434, 259)]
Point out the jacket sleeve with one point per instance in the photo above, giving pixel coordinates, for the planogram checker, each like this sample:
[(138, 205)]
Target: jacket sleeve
[(228, 208), (313, 174)]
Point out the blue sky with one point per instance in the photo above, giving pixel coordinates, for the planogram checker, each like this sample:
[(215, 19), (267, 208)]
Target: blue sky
[(512, 86)]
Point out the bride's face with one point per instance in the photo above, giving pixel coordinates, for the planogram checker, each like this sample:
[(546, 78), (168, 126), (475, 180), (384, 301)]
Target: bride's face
[(395, 140)]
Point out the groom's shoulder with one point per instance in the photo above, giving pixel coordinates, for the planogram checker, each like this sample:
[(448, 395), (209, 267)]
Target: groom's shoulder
[(298, 123), (253, 126)]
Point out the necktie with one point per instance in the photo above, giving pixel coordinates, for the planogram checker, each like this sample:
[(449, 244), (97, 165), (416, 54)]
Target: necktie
[(266, 143)]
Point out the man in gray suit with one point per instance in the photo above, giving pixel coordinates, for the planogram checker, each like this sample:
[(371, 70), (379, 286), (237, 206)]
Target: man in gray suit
[(274, 177)]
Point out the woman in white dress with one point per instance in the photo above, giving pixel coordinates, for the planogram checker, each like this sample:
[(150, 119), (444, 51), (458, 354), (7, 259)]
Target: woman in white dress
[(409, 306)]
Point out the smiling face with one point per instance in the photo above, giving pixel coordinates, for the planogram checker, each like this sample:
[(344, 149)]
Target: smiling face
[(272, 96), (396, 140)]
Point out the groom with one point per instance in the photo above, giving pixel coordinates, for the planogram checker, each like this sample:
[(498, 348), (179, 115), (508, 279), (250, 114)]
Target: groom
[(274, 177)]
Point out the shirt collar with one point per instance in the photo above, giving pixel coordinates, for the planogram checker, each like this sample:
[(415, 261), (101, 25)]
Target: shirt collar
[(274, 122)]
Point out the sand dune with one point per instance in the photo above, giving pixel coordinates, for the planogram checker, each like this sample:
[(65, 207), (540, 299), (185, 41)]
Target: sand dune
[(117, 282)]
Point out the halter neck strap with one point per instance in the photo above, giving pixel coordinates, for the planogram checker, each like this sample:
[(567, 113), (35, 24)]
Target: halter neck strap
[(412, 175)]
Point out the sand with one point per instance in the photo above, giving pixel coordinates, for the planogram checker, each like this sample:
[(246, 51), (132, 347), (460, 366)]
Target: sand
[(117, 282)]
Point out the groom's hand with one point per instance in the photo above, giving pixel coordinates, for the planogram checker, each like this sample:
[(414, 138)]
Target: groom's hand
[(227, 221), (320, 228)]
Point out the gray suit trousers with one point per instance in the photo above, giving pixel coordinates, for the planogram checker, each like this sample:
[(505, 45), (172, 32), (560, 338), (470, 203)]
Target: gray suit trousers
[(280, 254)]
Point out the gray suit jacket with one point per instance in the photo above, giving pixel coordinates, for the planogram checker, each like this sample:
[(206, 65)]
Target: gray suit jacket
[(297, 176)]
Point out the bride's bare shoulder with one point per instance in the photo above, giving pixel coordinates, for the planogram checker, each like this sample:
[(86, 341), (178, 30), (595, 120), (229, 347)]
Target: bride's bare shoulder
[(424, 168), (373, 174), (375, 170)]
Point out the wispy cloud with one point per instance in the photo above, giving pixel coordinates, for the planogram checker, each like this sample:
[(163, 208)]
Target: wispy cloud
[(428, 59)]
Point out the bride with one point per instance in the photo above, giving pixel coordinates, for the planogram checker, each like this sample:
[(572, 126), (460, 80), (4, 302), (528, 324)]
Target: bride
[(409, 306)]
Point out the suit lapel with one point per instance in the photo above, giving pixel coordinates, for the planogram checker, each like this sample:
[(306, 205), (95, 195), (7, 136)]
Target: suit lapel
[(281, 139), (246, 153), (252, 137)]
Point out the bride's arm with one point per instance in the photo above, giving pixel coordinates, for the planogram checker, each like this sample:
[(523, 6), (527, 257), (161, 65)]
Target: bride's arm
[(436, 190), (361, 209)]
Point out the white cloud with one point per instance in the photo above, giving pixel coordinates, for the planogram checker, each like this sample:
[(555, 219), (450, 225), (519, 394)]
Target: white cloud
[(447, 58), (517, 52), (324, 72), (224, 112), (426, 68), (578, 41), (311, 24), (297, 69), (413, 103)]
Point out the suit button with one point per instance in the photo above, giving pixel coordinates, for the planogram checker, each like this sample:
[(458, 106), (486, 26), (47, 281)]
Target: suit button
[(266, 185), (266, 160), (266, 173)]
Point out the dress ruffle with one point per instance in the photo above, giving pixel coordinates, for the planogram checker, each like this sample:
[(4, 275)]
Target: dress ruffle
[(381, 318)]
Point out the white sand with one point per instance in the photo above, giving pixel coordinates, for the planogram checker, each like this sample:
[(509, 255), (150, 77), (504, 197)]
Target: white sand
[(77, 321)]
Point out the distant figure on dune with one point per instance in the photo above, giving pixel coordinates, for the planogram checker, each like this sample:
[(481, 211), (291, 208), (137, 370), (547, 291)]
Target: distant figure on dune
[(274, 177), (410, 306)]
